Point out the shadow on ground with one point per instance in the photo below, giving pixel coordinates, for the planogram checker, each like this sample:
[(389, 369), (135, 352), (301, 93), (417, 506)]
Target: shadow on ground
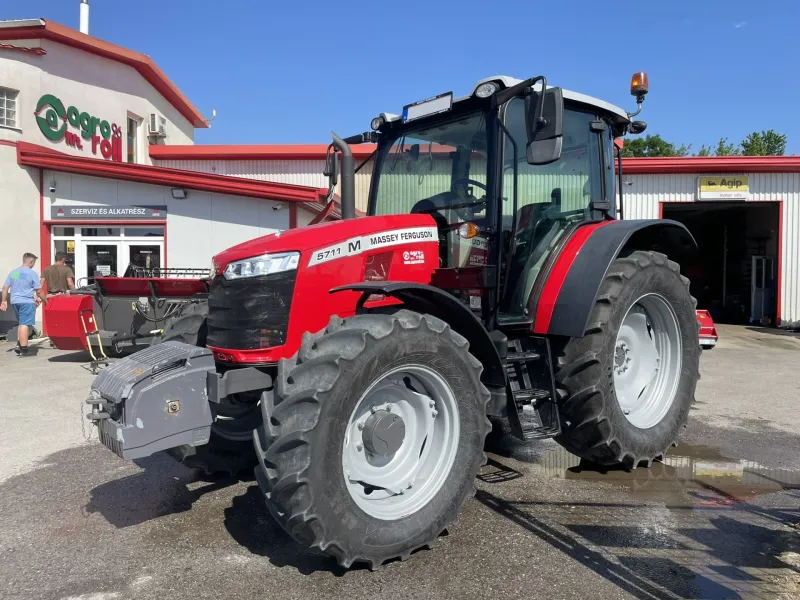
[(773, 331), (248, 522), (685, 536)]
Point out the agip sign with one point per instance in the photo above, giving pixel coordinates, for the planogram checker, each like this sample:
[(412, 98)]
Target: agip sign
[(99, 135), (721, 187)]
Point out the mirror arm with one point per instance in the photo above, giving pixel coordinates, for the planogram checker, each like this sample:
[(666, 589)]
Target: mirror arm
[(368, 137), (507, 94)]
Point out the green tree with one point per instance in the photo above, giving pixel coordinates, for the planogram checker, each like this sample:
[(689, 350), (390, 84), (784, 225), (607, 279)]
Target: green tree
[(726, 149), (766, 143), (704, 151), (652, 145)]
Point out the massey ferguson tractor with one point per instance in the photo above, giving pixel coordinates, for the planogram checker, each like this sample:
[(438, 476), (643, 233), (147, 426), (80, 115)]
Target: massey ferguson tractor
[(363, 359)]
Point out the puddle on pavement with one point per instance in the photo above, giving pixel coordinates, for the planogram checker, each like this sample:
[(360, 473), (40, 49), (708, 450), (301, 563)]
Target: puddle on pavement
[(692, 527), (689, 475)]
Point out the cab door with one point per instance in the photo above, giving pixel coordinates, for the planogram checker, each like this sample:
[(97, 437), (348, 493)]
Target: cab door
[(552, 200)]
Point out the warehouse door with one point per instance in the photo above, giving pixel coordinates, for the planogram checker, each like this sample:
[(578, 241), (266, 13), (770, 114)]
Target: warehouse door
[(735, 273)]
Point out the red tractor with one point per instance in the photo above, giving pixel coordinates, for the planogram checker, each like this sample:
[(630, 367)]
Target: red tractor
[(364, 358)]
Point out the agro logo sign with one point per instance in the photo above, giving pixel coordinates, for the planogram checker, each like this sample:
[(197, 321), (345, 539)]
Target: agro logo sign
[(54, 122)]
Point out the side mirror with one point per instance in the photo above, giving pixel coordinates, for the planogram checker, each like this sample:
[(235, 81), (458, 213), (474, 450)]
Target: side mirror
[(413, 153), (544, 122), (332, 168)]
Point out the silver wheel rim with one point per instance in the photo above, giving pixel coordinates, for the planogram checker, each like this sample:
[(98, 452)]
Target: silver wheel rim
[(647, 361), (395, 486)]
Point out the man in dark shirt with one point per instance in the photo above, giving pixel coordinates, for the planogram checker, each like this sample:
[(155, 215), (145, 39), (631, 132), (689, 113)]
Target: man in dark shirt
[(59, 276)]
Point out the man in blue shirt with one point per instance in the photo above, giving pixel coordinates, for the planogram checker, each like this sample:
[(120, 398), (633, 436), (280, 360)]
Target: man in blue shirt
[(26, 294)]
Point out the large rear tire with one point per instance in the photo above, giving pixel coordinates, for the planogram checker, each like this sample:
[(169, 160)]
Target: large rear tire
[(630, 381), (229, 450), (333, 473)]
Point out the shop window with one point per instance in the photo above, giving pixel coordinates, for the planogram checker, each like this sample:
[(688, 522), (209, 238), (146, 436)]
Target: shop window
[(133, 134), (68, 248), (144, 232), (8, 107), (100, 231), (63, 231)]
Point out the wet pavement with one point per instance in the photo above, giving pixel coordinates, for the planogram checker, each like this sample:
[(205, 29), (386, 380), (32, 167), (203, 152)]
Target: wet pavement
[(720, 518)]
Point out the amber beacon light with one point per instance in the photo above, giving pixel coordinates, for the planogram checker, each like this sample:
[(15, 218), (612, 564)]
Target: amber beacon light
[(639, 84)]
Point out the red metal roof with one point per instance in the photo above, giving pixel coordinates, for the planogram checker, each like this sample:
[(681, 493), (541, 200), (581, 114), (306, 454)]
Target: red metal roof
[(712, 164), (144, 64), (32, 155)]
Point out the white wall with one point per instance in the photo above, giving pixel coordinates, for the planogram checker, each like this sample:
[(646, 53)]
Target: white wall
[(304, 217), (642, 197), (19, 224), (298, 172), (197, 228), (102, 87)]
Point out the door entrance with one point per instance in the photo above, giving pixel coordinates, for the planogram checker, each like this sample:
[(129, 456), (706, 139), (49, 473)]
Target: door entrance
[(104, 251), (143, 259), (101, 259), (735, 273)]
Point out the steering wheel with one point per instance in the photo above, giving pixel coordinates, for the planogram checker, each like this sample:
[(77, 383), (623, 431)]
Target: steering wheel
[(459, 207), (434, 207), (472, 181)]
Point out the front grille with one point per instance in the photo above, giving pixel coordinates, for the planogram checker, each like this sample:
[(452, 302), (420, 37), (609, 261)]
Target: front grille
[(251, 313)]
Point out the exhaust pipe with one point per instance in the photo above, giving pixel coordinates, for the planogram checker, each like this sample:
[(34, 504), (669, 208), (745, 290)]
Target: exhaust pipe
[(348, 177)]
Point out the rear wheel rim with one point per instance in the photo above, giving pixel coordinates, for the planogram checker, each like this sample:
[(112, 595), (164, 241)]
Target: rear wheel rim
[(401, 483), (647, 361)]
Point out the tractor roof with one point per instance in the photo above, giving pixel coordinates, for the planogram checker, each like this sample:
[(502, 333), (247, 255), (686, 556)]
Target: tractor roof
[(618, 115), (505, 82)]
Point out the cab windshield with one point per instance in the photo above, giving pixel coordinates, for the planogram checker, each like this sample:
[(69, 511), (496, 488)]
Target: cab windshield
[(440, 169)]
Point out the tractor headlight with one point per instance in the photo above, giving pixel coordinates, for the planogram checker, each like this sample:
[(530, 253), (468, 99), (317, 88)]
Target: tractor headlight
[(265, 264)]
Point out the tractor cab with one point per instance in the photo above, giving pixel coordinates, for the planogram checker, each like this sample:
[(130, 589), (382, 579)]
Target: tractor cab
[(507, 173)]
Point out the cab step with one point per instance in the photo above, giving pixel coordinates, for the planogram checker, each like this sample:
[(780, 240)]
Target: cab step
[(532, 426), (517, 357), (530, 396), (532, 401)]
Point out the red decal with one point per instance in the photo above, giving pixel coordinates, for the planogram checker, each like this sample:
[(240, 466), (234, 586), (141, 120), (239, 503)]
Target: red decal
[(558, 274)]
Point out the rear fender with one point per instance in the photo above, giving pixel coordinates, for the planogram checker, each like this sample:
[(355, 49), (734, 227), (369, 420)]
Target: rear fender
[(573, 280), (427, 299)]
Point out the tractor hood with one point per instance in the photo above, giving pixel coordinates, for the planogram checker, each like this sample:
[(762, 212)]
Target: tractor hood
[(307, 239)]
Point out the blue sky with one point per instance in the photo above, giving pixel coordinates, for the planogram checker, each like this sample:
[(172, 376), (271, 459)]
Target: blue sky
[(289, 72)]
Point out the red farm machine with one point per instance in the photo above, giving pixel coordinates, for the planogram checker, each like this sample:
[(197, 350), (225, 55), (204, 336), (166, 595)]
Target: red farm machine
[(112, 315), (357, 364)]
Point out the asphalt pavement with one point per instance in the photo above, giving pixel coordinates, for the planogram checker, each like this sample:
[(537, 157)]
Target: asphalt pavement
[(720, 518)]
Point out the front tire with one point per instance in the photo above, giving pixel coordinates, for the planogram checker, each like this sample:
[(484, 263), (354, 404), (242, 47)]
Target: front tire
[(630, 381), (311, 457)]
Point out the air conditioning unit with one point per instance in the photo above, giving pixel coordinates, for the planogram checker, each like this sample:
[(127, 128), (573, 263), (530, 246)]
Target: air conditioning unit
[(157, 126)]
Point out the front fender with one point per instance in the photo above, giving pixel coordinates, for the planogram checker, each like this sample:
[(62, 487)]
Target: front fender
[(573, 280), (433, 301)]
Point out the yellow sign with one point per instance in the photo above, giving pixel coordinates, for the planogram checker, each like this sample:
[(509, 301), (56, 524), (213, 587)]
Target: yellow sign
[(724, 187), (70, 246)]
